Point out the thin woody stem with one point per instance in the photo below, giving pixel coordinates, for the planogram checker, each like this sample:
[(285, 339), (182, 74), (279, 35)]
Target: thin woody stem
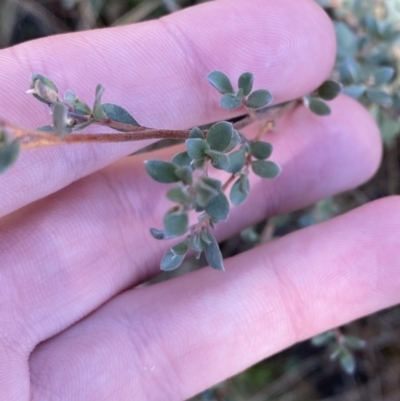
[(34, 139)]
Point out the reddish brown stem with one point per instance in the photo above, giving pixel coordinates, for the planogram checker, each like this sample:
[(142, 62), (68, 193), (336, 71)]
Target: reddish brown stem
[(34, 139)]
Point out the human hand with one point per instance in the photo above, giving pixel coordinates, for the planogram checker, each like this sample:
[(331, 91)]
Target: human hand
[(74, 232)]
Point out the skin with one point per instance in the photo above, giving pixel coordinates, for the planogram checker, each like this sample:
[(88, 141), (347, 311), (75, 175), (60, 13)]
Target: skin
[(74, 322)]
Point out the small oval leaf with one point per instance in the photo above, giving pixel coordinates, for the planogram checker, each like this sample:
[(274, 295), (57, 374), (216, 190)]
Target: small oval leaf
[(219, 136), (175, 224), (240, 191), (197, 148), (79, 106), (237, 160), (329, 90), (171, 261), (230, 102), (161, 171), (380, 97), (219, 160), (44, 89), (179, 194), (182, 159), (246, 82), (196, 133), (261, 150), (218, 207), (157, 234), (98, 112), (258, 99), (220, 82), (354, 91), (118, 114), (213, 252), (319, 107), (265, 169), (383, 75), (184, 173), (9, 152)]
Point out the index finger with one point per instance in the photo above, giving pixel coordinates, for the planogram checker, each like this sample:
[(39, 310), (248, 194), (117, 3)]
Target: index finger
[(157, 70)]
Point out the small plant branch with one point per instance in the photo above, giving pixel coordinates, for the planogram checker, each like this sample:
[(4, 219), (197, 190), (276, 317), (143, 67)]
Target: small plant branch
[(31, 139)]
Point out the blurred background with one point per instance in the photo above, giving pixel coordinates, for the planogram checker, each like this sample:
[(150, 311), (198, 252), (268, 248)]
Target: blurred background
[(358, 362)]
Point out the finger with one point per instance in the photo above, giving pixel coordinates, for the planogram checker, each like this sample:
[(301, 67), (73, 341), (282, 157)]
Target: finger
[(157, 70), (90, 241), (191, 332)]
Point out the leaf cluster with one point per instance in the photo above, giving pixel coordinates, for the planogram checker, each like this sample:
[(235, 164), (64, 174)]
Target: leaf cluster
[(244, 96), (341, 348), (223, 148), (70, 113)]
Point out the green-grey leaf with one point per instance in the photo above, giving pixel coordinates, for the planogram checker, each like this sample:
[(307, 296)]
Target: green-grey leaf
[(213, 253), (349, 71), (347, 361), (175, 223), (184, 173), (205, 193), (60, 114), (259, 98), (329, 90), (118, 114), (346, 39), (44, 89), (79, 106), (161, 171), (78, 127), (44, 80), (371, 25), (354, 342), (354, 91), (218, 207), (196, 133), (237, 160), (98, 112), (182, 159), (261, 150), (195, 243), (230, 101), (8, 154), (380, 97), (171, 261), (220, 82), (179, 194), (240, 190), (219, 136), (219, 160), (246, 82), (383, 75), (212, 182), (319, 107), (157, 234), (265, 169), (323, 339), (240, 94), (390, 129), (197, 148), (236, 139), (180, 249)]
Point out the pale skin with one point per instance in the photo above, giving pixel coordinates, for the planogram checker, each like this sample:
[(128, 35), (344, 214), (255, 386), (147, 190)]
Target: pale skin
[(75, 218)]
